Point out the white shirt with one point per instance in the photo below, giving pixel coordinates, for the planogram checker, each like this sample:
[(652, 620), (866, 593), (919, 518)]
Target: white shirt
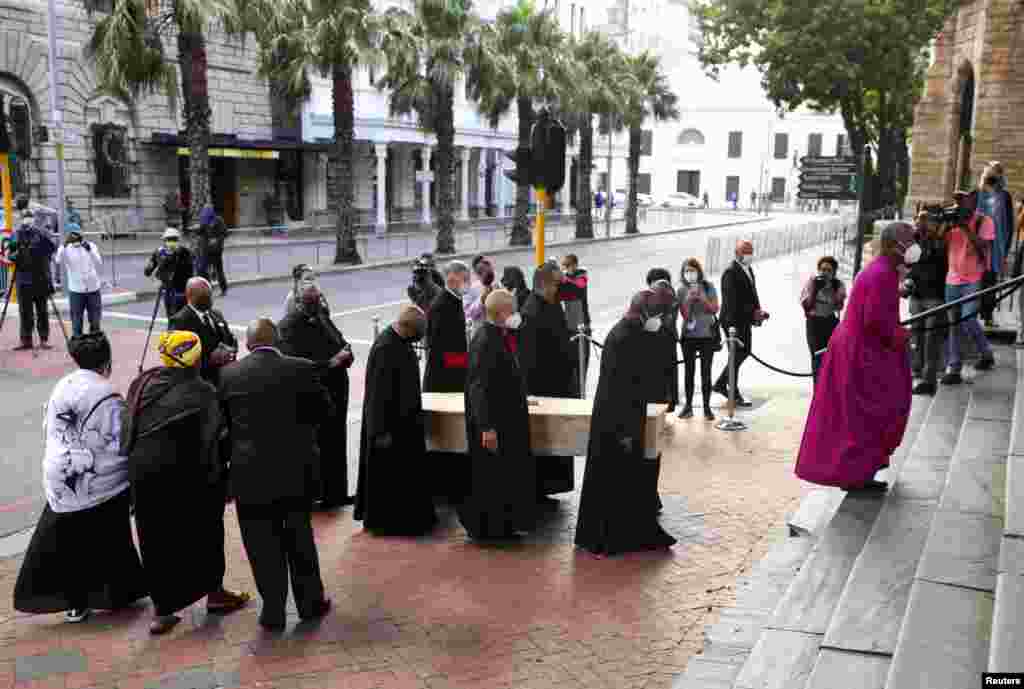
[(83, 267)]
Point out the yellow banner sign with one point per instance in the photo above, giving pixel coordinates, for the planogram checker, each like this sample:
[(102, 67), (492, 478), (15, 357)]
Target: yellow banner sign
[(236, 153)]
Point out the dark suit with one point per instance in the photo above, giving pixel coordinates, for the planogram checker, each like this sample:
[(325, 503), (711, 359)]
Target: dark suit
[(273, 404), (217, 333), (739, 304)]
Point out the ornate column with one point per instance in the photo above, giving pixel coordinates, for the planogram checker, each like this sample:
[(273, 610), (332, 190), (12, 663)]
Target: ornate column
[(499, 185), (382, 176), (425, 214), (496, 178), (481, 173), (464, 213)]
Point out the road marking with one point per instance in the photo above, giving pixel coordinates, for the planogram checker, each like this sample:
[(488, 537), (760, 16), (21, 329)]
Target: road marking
[(364, 309)]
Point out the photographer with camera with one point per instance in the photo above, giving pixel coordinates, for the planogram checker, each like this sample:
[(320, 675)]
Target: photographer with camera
[(822, 299), (969, 244), (30, 249), (173, 266), (925, 287), (83, 263), (423, 290)]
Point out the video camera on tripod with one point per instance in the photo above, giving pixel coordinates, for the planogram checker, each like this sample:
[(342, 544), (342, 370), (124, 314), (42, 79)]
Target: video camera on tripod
[(947, 215)]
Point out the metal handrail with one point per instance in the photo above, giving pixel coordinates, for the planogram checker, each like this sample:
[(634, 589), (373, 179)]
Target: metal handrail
[(1012, 283)]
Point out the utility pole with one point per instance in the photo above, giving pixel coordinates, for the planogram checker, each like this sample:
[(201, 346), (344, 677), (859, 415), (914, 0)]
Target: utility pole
[(55, 112), (608, 185)]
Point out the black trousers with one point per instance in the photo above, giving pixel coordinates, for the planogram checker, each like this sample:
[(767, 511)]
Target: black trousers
[(278, 540), (32, 312), (691, 348), (743, 333), (819, 332), (173, 301), (215, 263)]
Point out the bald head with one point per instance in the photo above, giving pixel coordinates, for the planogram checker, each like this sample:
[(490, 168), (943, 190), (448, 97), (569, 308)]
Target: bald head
[(500, 305), (261, 333), (198, 293), (412, 321)]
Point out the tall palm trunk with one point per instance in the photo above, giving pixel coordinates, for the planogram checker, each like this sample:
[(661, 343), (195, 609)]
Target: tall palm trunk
[(635, 144), (192, 54), (445, 168), (342, 162), (584, 193), (521, 224)]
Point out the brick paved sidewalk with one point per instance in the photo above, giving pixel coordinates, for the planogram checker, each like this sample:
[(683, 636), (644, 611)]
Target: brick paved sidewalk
[(439, 612)]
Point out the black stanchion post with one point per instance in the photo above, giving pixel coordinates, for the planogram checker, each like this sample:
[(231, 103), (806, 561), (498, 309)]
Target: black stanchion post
[(732, 423), (581, 338)]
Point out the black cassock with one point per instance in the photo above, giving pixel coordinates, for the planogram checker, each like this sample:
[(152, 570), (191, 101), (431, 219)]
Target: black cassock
[(549, 360), (665, 381), (619, 502), (394, 494), (447, 357), (317, 338), (503, 483)]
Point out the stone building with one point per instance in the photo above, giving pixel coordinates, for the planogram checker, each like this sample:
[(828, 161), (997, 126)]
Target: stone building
[(972, 110)]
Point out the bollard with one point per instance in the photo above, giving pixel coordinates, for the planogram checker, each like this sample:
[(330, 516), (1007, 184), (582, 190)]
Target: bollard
[(581, 336), (731, 423), (376, 327)]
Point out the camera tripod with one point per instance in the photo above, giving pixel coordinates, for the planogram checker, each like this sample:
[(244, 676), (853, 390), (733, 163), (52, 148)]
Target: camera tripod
[(53, 305), (152, 320)]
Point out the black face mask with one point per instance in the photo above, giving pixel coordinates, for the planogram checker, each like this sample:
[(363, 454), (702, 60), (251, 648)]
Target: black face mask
[(203, 304)]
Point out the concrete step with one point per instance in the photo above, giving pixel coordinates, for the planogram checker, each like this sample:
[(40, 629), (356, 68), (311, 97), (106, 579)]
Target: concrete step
[(1007, 646), (944, 641), (962, 550), (815, 512), (780, 660), (810, 601), (849, 670)]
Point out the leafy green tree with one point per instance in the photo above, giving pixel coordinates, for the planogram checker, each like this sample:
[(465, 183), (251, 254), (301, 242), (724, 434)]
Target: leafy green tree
[(520, 59), (128, 51), (427, 52), (861, 58), (332, 38), (600, 58), (651, 98)]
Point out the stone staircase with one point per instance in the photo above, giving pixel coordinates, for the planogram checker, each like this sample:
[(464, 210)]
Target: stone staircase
[(916, 588)]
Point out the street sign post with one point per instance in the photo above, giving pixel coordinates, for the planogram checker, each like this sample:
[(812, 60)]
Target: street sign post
[(829, 179)]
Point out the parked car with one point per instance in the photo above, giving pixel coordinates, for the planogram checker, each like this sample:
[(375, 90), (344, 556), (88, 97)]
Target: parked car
[(681, 200), (644, 200)]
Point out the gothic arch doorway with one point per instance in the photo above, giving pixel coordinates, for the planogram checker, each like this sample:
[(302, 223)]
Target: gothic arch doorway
[(21, 124)]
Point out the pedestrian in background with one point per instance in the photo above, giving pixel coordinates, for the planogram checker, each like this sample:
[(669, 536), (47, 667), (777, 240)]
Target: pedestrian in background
[(741, 309), (30, 249), (83, 263), (925, 287), (700, 336), (514, 281), (476, 295), (995, 202), (210, 247), (573, 293), (81, 556), (822, 299)]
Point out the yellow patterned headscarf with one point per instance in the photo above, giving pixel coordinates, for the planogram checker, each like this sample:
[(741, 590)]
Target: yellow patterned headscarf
[(180, 349)]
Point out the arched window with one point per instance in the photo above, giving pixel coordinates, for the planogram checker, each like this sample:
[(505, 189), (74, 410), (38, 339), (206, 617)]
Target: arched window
[(19, 128), (691, 137)]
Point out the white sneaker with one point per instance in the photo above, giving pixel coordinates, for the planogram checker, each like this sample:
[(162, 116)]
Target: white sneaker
[(74, 616)]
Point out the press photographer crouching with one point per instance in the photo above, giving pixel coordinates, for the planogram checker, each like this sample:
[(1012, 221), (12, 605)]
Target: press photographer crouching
[(173, 265), (925, 287)]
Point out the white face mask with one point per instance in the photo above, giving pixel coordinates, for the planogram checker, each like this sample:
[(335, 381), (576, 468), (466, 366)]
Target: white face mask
[(912, 254), (691, 276), (748, 259), (514, 321), (652, 324)]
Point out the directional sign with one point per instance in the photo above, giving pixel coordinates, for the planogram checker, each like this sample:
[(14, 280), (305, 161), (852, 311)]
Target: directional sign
[(828, 179)]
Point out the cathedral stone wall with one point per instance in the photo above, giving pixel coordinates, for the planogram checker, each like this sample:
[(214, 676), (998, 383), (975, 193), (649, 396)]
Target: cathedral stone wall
[(985, 39)]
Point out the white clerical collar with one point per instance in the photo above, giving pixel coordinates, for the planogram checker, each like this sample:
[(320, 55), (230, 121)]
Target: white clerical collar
[(267, 348)]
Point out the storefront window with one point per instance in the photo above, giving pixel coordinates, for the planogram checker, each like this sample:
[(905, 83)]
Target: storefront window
[(110, 155)]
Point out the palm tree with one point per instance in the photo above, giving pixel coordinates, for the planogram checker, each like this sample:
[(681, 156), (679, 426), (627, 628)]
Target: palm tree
[(599, 57), (127, 49), (522, 57), (426, 55), (332, 38), (653, 98)]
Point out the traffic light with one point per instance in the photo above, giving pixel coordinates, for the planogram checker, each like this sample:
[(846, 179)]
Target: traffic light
[(547, 145), (523, 174)]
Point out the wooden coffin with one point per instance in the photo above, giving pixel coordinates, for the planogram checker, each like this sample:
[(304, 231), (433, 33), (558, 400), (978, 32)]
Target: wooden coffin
[(559, 427)]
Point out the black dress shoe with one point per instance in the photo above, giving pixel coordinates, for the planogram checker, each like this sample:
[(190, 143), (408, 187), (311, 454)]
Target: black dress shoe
[(273, 624), (923, 388), (985, 364), (319, 610), (721, 390), (952, 379), (336, 504)]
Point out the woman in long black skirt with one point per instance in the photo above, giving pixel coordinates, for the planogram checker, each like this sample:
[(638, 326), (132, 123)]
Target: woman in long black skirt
[(82, 556)]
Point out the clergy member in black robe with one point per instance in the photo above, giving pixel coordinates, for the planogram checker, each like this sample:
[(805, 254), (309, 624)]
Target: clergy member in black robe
[(446, 332), (309, 333), (665, 387), (548, 357), (619, 503), (394, 496), (501, 500)]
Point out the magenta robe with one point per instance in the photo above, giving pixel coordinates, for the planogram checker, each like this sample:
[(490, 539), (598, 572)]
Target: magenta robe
[(862, 399)]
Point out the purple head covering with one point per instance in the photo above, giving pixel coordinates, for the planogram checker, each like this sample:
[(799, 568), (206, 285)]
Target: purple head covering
[(207, 215), (648, 302)]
